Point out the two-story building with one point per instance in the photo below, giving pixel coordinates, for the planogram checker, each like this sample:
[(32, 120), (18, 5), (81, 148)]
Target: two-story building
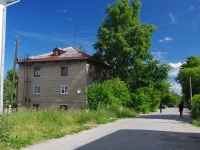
[(58, 79)]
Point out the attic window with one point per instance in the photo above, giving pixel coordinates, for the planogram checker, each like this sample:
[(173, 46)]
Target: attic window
[(56, 52)]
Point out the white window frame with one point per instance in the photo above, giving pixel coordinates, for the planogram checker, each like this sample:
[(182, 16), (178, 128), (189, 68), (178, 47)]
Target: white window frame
[(63, 89), (37, 90), (36, 72)]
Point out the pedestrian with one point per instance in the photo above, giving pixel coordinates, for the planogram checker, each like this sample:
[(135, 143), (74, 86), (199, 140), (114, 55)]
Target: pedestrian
[(180, 106), (160, 107)]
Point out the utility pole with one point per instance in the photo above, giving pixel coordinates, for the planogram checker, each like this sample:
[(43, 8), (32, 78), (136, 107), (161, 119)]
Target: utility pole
[(14, 70), (3, 5)]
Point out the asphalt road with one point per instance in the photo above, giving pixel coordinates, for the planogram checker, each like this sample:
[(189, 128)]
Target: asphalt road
[(155, 131)]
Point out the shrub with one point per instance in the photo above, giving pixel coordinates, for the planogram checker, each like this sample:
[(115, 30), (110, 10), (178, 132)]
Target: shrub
[(110, 92), (145, 99), (196, 107)]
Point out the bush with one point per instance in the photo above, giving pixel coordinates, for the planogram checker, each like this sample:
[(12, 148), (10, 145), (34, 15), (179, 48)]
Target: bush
[(145, 99), (196, 107), (110, 92)]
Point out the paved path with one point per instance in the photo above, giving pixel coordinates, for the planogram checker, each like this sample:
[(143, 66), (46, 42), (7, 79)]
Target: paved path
[(155, 131)]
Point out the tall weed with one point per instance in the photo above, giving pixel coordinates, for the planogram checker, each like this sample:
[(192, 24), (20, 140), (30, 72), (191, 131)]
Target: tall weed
[(27, 127)]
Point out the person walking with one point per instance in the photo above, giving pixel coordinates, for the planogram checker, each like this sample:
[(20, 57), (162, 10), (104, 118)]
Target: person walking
[(160, 107), (180, 106)]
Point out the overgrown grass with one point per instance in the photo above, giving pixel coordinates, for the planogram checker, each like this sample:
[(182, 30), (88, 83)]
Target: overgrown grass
[(196, 123), (27, 127)]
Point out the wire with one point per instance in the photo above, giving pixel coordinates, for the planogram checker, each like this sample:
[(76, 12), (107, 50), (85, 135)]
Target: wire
[(28, 39), (47, 49), (135, 31)]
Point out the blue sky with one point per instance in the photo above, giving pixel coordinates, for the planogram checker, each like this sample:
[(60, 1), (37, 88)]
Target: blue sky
[(43, 25)]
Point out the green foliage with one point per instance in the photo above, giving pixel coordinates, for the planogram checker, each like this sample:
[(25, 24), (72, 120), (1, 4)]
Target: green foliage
[(122, 39), (172, 98), (196, 107), (192, 61), (191, 68), (27, 127), (124, 42), (154, 74), (110, 92), (7, 88), (196, 123), (145, 99)]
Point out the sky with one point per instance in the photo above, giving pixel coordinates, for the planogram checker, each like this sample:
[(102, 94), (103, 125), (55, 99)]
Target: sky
[(44, 25)]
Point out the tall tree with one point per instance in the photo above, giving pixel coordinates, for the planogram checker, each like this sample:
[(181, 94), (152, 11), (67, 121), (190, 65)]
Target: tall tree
[(123, 40), (189, 69), (172, 98)]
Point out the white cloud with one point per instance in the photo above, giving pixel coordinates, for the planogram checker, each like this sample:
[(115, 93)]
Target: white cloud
[(176, 87), (173, 20), (176, 67), (70, 19), (192, 7), (64, 11), (166, 39), (158, 55)]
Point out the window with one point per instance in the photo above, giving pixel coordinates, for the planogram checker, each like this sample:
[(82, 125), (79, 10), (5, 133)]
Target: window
[(36, 71), (36, 89), (64, 71), (36, 106), (56, 52), (63, 89), (63, 106)]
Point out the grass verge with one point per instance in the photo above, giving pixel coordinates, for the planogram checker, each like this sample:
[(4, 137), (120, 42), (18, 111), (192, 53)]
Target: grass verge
[(27, 127), (196, 123)]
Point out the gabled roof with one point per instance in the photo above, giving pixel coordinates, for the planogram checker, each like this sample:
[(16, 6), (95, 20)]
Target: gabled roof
[(63, 54)]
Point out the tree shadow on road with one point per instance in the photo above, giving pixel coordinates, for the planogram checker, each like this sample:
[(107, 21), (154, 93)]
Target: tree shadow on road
[(145, 140), (168, 116)]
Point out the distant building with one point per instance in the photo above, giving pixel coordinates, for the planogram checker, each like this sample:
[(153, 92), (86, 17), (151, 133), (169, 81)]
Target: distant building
[(58, 79)]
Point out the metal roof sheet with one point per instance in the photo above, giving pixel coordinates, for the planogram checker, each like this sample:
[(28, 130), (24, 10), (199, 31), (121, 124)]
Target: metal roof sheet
[(70, 53)]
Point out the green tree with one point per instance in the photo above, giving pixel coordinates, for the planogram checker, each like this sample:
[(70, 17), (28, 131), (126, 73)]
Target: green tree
[(195, 113), (190, 68), (7, 88), (123, 40), (172, 98)]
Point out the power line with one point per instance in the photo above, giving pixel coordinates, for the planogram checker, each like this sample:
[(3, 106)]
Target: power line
[(47, 49), (136, 30), (116, 33), (29, 40)]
